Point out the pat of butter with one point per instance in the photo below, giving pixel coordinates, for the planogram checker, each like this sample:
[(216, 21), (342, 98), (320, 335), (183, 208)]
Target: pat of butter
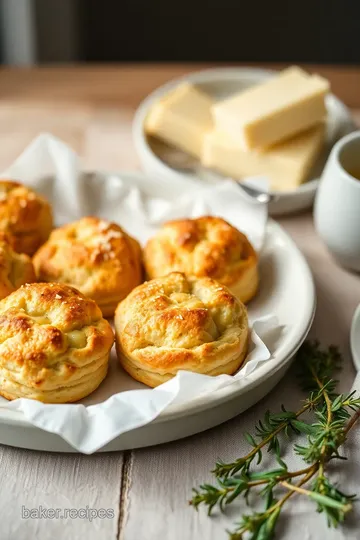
[(287, 165), (268, 113), (181, 118)]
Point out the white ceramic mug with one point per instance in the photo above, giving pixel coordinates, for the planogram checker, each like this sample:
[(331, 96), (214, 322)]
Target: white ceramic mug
[(337, 204)]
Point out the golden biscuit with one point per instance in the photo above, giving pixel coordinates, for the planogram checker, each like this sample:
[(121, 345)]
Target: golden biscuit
[(207, 246), (25, 217), (16, 269), (54, 344), (177, 322), (95, 256)]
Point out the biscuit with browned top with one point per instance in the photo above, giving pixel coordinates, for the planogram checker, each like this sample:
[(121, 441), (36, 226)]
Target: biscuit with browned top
[(204, 247), (97, 257), (54, 344), (16, 269), (178, 323), (25, 217)]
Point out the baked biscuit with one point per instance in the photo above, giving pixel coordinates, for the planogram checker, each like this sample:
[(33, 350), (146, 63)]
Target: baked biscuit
[(95, 256), (180, 323), (25, 217), (207, 246), (54, 344), (16, 269)]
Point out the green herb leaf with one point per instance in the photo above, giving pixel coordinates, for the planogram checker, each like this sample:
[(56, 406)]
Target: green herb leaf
[(333, 415)]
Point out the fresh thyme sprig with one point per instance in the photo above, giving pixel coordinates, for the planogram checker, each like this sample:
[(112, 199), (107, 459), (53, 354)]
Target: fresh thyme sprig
[(334, 416)]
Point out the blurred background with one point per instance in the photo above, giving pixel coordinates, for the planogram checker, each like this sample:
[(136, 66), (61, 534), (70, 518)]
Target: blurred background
[(311, 31)]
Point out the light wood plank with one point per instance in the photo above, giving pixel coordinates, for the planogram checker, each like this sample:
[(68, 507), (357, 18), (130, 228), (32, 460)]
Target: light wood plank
[(162, 480), (107, 142), (34, 479)]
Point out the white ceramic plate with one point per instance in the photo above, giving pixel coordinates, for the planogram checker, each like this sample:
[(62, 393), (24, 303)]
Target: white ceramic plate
[(220, 83), (355, 338), (287, 290)]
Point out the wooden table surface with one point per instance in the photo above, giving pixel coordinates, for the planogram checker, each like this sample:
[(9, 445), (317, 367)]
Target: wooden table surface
[(91, 108)]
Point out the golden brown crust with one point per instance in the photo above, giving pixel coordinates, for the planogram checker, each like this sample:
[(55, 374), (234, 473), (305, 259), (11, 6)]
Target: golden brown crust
[(25, 217), (204, 247), (54, 344), (16, 269), (97, 257), (180, 323)]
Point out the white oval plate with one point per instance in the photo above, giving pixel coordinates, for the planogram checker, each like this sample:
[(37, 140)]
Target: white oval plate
[(220, 83), (287, 290)]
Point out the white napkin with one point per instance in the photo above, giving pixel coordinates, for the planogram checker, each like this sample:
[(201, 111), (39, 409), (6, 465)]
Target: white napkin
[(140, 205)]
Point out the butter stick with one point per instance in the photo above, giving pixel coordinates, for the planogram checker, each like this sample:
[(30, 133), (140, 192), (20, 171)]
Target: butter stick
[(181, 119), (287, 165), (273, 111)]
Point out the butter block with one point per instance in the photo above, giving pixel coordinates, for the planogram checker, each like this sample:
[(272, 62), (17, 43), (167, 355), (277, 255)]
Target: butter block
[(286, 165), (181, 118), (273, 111)]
